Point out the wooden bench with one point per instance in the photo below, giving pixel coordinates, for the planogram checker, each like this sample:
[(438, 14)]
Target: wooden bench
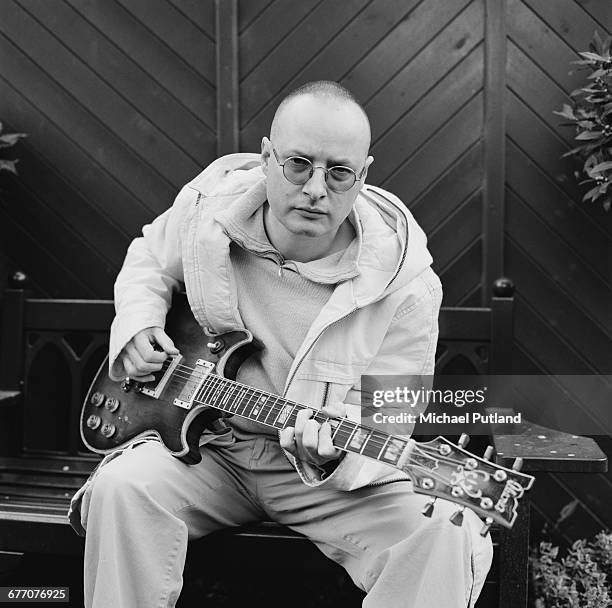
[(51, 349)]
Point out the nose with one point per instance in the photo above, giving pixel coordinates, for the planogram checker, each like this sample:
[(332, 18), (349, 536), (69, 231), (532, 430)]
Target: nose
[(316, 186)]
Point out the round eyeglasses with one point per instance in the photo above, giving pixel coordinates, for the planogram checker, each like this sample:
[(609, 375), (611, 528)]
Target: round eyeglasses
[(299, 170)]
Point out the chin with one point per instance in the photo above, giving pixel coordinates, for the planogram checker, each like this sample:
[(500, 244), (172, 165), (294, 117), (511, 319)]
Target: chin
[(305, 227)]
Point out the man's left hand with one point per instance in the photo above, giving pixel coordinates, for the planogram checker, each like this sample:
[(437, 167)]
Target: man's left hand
[(311, 441)]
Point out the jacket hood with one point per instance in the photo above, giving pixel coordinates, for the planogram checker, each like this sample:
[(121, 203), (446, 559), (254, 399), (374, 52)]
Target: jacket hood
[(394, 249)]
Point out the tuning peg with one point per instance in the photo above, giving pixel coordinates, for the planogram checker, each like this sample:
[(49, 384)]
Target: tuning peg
[(463, 440), (488, 453), (518, 464), (485, 529), (429, 508), (457, 517)]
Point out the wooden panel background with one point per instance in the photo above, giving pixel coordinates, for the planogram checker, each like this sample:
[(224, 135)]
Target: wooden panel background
[(557, 249), (124, 100)]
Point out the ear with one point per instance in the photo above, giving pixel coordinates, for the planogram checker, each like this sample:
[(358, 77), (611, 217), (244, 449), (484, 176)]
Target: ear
[(266, 150), (368, 162)]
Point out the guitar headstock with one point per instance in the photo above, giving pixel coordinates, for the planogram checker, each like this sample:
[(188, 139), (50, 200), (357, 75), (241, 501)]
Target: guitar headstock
[(444, 470)]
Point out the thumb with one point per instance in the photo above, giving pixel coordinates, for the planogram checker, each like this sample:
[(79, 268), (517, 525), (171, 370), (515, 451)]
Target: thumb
[(164, 341)]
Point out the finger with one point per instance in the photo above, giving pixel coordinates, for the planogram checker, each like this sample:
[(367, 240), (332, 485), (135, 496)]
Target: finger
[(310, 441), (133, 373), (287, 440), (143, 342), (300, 420), (164, 341), (141, 366), (326, 446), (335, 410)]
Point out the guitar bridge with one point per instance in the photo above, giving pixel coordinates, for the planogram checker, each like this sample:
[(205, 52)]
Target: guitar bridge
[(156, 391), (193, 384)]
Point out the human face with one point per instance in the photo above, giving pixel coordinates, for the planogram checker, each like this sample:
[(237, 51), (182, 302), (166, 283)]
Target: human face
[(327, 133)]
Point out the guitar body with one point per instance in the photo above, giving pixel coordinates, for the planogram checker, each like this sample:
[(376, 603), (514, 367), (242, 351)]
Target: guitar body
[(115, 414)]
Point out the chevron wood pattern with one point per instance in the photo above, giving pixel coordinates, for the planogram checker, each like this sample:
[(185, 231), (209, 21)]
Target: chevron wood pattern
[(120, 99), (557, 249)]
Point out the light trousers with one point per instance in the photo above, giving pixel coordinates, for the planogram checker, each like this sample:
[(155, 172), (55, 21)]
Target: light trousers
[(143, 507)]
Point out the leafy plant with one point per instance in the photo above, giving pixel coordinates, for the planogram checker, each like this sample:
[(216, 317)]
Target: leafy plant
[(590, 114), (6, 141), (578, 580)]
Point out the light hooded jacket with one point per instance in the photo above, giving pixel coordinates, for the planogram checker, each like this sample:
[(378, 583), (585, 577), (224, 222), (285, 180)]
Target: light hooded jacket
[(383, 321)]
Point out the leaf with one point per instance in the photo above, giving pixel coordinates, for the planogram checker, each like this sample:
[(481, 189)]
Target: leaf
[(602, 166), (567, 511), (567, 112), (597, 74), (572, 152), (8, 165), (607, 204), (586, 135), (592, 56), (593, 193), (10, 139)]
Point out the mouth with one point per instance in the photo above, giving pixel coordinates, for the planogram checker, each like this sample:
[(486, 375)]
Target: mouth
[(310, 212)]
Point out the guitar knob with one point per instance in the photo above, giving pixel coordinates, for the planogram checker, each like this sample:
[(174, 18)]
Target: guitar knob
[(428, 509), (93, 422), (108, 429), (111, 404), (97, 399), (486, 503), (215, 347), (485, 529), (463, 440), (500, 475), (488, 453), (457, 517)]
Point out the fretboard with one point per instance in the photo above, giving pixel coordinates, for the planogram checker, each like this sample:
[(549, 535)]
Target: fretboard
[(274, 411)]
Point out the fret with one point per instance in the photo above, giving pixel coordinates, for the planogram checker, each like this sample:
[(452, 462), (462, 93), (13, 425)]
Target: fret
[(337, 424), (283, 415), (223, 404), (345, 446), (393, 450), (206, 388), (373, 442), (217, 392), (240, 398), (370, 434), (382, 449), (272, 406), (358, 438), (261, 406)]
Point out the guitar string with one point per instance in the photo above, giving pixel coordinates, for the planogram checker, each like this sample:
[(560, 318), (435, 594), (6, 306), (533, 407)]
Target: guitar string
[(370, 440), (377, 443)]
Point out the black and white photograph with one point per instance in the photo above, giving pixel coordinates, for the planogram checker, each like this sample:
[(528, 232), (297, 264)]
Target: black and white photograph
[(306, 303)]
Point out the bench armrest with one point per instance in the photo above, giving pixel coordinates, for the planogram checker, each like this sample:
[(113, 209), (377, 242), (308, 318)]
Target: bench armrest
[(545, 449)]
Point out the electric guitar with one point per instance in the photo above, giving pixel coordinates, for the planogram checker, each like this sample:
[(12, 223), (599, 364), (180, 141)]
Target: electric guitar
[(196, 387)]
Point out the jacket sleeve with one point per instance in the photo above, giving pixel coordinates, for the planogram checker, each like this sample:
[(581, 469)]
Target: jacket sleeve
[(409, 348), (152, 269)]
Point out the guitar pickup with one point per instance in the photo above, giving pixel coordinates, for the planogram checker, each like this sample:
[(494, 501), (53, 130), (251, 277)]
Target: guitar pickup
[(193, 384), (161, 378)]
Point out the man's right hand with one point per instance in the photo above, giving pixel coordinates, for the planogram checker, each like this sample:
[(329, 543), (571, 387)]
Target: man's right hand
[(142, 355)]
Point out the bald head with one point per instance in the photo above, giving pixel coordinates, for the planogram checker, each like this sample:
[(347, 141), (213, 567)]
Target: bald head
[(328, 95)]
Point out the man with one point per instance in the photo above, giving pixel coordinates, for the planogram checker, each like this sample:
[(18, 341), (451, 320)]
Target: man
[(334, 278)]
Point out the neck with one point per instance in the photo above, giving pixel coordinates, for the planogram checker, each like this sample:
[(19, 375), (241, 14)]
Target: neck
[(306, 248)]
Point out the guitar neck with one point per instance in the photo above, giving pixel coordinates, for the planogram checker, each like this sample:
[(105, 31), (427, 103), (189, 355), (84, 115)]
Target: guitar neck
[(277, 412)]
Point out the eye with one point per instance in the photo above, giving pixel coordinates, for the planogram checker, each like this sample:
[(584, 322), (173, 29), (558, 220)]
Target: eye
[(341, 173), (298, 164)]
